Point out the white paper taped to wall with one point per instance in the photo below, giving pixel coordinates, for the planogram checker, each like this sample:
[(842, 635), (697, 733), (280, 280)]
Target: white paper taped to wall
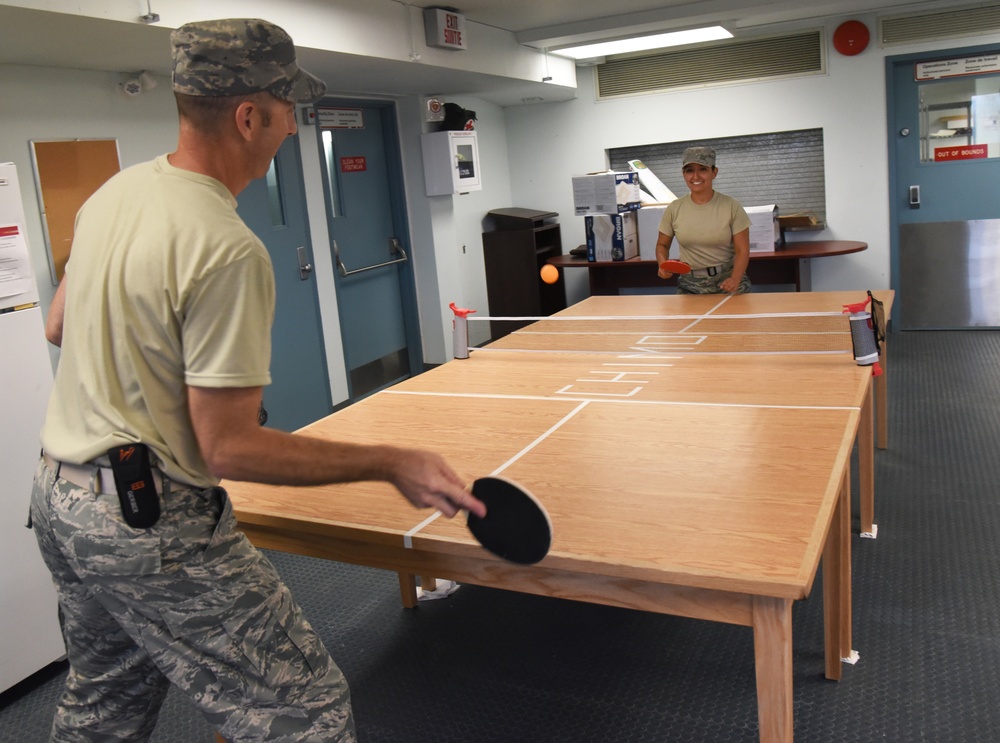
[(15, 267), (654, 185)]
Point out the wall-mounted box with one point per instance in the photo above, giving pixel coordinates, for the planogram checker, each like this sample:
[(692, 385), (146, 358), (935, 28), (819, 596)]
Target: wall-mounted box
[(451, 162)]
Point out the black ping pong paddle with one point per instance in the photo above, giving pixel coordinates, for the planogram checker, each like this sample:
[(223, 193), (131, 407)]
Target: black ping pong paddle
[(516, 526), (678, 267)]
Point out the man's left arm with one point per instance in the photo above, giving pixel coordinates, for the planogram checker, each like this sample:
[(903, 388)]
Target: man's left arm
[(54, 320)]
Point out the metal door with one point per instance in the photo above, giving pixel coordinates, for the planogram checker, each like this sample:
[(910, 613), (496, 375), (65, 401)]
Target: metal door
[(369, 242), (274, 208), (944, 164)]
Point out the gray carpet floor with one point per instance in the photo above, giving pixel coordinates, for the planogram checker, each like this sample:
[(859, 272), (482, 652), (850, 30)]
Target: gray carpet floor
[(485, 665)]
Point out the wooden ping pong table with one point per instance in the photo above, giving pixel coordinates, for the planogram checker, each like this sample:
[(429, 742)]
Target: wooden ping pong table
[(700, 484)]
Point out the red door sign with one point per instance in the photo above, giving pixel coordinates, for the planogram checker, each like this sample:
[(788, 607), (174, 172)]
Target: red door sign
[(353, 164)]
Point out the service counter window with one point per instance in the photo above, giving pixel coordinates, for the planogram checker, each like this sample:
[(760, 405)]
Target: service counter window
[(782, 168)]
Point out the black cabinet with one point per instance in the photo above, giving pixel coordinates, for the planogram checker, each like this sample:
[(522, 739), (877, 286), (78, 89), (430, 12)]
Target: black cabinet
[(514, 251)]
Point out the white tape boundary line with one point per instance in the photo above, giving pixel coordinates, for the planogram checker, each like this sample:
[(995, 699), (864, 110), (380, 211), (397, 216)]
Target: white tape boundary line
[(540, 439), (408, 536), (708, 315), (623, 401), (695, 319), (624, 354), (643, 354), (671, 333)]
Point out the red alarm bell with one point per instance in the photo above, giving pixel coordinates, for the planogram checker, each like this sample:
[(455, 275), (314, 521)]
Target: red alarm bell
[(850, 38)]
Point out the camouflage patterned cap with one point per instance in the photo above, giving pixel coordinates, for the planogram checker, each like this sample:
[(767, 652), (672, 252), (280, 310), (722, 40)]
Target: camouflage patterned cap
[(701, 155), (238, 57)]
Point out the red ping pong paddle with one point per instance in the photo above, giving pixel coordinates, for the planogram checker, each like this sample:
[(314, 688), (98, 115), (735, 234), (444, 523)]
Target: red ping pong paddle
[(516, 526), (678, 267)]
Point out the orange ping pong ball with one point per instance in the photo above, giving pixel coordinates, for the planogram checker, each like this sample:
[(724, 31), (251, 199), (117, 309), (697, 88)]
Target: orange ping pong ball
[(549, 273)]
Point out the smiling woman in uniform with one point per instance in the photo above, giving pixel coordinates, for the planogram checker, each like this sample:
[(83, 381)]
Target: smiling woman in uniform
[(712, 230)]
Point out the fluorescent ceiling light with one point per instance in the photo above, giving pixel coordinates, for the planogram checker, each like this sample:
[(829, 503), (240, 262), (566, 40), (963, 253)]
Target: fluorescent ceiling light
[(642, 43)]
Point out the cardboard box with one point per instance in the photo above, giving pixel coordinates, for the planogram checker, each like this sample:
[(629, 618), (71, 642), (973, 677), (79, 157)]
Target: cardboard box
[(765, 232), (605, 193), (611, 237)]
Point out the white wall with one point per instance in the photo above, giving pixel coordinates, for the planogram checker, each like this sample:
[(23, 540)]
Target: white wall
[(372, 29), (555, 141), (528, 155), (40, 103), (446, 231), (460, 240)]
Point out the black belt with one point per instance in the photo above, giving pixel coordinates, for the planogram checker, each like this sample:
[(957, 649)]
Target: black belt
[(710, 270)]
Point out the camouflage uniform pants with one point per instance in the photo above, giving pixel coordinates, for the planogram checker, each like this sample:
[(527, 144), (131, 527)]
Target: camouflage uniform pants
[(189, 602), (691, 284)]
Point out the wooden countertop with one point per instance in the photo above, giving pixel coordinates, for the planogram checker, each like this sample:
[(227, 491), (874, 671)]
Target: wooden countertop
[(789, 251)]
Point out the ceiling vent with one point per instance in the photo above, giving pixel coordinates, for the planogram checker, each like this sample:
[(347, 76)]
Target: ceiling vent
[(727, 62), (948, 24)]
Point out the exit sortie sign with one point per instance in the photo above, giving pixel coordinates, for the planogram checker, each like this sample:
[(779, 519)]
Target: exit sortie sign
[(444, 28)]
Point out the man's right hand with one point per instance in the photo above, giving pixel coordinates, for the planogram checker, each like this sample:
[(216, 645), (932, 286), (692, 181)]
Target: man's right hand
[(426, 480)]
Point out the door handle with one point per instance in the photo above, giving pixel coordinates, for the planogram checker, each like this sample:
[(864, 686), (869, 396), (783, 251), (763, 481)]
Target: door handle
[(394, 248), (914, 197), (305, 267)]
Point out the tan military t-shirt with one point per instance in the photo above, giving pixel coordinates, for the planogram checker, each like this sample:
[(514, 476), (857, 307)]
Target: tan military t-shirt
[(705, 232), (167, 288)]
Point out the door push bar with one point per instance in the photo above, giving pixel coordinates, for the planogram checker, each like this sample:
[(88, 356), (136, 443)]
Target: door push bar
[(394, 248)]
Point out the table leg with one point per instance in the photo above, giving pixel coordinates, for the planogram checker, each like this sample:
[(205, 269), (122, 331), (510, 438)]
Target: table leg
[(804, 274), (837, 584), (882, 399), (428, 584), (601, 282), (408, 590), (866, 464), (772, 642)]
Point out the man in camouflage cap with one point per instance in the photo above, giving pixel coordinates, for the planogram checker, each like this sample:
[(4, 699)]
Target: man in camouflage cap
[(165, 350)]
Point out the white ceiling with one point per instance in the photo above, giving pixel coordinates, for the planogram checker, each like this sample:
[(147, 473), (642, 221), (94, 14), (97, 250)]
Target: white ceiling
[(547, 23), (48, 39), (532, 16)]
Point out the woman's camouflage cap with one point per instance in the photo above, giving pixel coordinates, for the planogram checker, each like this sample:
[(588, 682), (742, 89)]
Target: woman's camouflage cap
[(240, 56), (701, 155)]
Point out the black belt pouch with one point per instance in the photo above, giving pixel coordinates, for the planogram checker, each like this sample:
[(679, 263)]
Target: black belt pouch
[(134, 483)]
